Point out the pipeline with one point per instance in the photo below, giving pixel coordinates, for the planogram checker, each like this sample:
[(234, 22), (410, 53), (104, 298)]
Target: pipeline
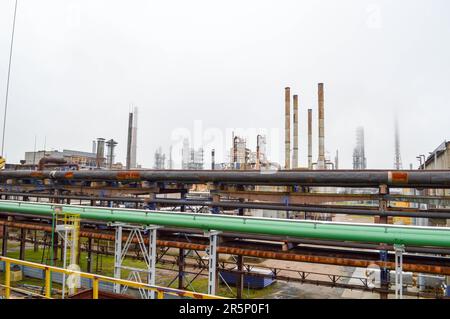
[(409, 264), (414, 236), (338, 178), (431, 213)]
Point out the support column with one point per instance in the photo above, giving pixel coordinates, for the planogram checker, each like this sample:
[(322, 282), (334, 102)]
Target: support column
[(382, 206), (36, 244), (216, 209), (399, 250), (117, 257), (183, 197), (23, 233), (89, 257), (384, 275), (384, 272), (5, 241), (181, 257), (212, 264), (152, 257), (240, 266), (240, 281)]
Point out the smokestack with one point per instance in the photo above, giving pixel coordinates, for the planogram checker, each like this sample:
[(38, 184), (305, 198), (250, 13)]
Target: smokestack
[(111, 144), (287, 126), (94, 147), (295, 155), (310, 138), (213, 158), (258, 152), (133, 152), (100, 151), (130, 135), (336, 160), (321, 159)]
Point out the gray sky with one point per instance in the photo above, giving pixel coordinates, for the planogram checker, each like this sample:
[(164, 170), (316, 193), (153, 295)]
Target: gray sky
[(78, 65)]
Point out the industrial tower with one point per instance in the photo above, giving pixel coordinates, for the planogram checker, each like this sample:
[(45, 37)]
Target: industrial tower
[(398, 158), (359, 157)]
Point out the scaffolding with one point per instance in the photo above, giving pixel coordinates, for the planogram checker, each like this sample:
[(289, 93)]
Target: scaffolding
[(67, 226)]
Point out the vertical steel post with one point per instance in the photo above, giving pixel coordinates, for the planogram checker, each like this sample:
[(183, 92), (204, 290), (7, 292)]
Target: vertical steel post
[(64, 264), (117, 257), (399, 250), (212, 265), (152, 258), (89, 258), (48, 285), (5, 241), (384, 275), (240, 268), (22, 244), (7, 279), (181, 269), (95, 288)]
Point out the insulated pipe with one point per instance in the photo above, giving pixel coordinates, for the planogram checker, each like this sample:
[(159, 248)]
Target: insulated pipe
[(414, 236), (338, 178), (309, 138), (295, 155), (287, 128), (439, 214), (321, 159)]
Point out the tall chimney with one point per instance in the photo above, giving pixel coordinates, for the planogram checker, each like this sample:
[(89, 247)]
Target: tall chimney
[(94, 147), (295, 155), (287, 126), (310, 138), (130, 139), (213, 158), (258, 152), (100, 152), (321, 159)]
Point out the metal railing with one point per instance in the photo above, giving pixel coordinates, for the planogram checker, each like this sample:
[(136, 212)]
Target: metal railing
[(96, 279)]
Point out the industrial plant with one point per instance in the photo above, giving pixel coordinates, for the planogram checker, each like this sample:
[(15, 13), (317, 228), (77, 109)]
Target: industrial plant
[(122, 217)]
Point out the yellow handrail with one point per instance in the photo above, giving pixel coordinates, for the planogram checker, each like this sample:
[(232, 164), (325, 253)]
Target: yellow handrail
[(160, 291)]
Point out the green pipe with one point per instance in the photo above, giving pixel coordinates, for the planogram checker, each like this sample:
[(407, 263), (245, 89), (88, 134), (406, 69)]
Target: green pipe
[(388, 234)]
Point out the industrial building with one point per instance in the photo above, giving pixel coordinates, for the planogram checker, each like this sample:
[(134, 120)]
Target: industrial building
[(86, 160), (359, 156), (160, 159), (439, 158), (191, 159)]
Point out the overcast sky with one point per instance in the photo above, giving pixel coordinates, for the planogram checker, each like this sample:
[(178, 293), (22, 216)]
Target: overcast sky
[(78, 66)]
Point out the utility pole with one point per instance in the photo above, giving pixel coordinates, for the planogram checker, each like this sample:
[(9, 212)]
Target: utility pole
[(8, 77)]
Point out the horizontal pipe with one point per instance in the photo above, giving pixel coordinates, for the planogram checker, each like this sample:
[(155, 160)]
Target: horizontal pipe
[(343, 178), (415, 264), (313, 242), (437, 214), (415, 236)]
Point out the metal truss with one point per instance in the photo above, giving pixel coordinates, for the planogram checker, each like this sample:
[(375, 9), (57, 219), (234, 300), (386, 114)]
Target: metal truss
[(149, 255)]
